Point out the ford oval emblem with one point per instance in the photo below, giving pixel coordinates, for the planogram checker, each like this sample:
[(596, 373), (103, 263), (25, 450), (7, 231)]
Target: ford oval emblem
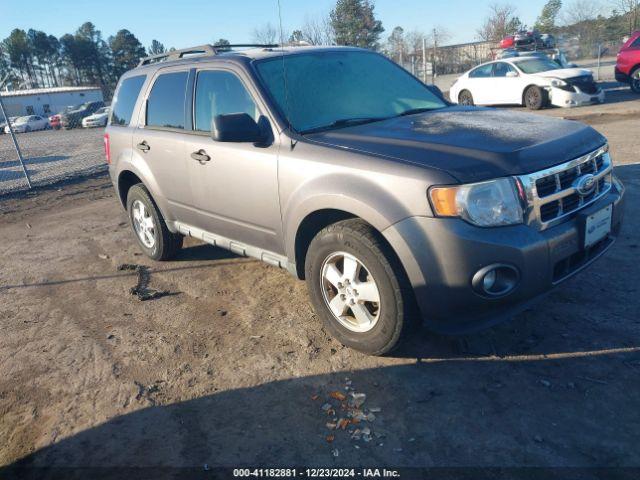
[(585, 185)]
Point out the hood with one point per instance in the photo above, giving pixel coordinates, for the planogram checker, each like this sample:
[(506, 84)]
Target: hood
[(469, 143), (565, 73), (96, 116)]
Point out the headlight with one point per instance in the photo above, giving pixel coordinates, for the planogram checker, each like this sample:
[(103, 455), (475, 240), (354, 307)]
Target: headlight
[(556, 82), (485, 204)]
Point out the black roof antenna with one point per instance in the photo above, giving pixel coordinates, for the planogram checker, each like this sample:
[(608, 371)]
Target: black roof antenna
[(284, 73)]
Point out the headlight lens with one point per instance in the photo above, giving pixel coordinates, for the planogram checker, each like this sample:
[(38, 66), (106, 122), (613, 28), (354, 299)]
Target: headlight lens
[(556, 82), (485, 204)]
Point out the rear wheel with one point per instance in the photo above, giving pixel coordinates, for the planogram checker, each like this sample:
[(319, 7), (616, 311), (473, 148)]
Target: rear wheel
[(358, 288), (465, 98), (535, 98), (635, 80), (147, 222)]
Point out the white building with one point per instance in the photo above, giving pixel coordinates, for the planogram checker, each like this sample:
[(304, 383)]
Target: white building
[(47, 101)]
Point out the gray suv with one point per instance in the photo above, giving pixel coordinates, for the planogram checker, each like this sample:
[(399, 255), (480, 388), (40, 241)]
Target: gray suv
[(338, 165)]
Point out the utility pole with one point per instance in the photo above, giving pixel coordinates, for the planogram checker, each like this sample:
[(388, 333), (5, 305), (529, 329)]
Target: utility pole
[(424, 59), (435, 50), (13, 136)]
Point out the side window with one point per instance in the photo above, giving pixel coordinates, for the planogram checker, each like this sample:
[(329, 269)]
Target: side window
[(635, 43), (30, 110), (125, 100), (482, 72), (220, 93), (501, 68), (165, 106)]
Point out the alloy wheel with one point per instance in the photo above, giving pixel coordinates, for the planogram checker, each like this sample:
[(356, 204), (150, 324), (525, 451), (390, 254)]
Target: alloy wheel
[(350, 292), (143, 224)]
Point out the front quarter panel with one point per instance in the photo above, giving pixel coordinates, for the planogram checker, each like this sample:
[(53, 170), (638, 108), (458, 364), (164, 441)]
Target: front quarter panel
[(380, 191)]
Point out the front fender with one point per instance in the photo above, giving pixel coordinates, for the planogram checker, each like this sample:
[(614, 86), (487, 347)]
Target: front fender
[(352, 194)]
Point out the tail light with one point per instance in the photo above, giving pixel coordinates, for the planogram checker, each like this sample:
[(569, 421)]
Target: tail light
[(107, 148)]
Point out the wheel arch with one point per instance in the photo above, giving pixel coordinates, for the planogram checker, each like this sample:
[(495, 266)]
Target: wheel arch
[(524, 91)]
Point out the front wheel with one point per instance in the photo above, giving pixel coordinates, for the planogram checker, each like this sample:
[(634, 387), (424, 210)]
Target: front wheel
[(635, 80), (535, 98), (358, 287)]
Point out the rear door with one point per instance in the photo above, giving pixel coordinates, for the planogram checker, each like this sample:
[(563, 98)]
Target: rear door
[(479, 84), (236, 190), (507, 84), (159, 141)]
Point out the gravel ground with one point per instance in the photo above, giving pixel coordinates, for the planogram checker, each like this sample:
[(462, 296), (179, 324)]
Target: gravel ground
[(50, 156), (234, 368)]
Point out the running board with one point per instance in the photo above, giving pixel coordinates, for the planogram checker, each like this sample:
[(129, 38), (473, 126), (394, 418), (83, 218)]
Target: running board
[(233, 246)]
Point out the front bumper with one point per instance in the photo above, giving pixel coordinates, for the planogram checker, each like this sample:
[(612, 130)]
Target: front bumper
[(564, 98), (441, 256), (621, 76)]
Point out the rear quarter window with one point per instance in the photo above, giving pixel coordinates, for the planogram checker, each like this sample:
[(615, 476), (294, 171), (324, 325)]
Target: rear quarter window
[(125, 100)]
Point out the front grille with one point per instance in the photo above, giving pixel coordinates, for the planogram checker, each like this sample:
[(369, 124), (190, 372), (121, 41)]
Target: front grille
[(552, 194), (585, 84)]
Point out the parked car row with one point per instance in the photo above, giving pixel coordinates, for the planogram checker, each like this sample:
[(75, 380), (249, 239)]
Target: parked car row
[(87, 115)]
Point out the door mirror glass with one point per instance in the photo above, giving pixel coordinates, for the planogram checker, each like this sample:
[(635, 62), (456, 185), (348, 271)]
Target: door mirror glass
[(235, 127), (511, 74)]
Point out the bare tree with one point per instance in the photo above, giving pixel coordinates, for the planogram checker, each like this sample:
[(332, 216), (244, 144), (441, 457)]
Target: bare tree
[(317, 30), (631, 10), (266, 34), (502, 21), (579, 11)]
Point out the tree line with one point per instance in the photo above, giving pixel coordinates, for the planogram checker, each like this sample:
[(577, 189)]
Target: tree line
[(33, 58)]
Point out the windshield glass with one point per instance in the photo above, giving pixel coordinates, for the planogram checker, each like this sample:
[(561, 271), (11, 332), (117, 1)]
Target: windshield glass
[(331, 89), (537, 65)]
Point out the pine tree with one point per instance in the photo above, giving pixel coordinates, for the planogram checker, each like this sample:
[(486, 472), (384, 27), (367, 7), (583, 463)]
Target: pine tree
[(355, 24), (546, 22)]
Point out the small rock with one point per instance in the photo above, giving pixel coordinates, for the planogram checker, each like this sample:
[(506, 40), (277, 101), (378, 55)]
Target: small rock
[(571, 385), (546, 383), (357, 399), (412, 439), (538, 438), (103, 256), (111, 336), (28, 225)]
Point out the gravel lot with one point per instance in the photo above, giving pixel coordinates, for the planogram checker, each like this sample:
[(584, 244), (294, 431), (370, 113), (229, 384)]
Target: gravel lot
[(50, 156), (233, 368)]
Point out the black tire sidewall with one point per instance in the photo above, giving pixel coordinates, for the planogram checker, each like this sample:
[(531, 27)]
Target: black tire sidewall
[(631, 81), (139, 192), (385, 334)]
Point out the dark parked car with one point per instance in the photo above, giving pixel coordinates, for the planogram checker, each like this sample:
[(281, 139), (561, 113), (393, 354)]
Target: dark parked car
[(73, 118)]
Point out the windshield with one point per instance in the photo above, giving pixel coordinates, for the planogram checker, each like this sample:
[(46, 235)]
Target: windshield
[(338, 88), (101, 111), (537, 65)]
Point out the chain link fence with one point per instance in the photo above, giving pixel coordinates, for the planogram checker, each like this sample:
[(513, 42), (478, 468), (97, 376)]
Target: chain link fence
[(48, 156)]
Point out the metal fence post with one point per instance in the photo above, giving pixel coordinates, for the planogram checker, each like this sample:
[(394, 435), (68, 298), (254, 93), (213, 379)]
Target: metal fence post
[(13, 137)]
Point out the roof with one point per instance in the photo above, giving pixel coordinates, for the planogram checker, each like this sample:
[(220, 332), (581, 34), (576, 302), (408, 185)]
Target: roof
[(246, 55), (46, 91)]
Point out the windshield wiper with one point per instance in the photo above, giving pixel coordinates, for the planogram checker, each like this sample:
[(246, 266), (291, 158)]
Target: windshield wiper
[(413, 111), (343, 122)]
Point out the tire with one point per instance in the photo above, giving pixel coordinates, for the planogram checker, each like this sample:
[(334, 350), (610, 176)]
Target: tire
[(355, 239), (535, 98), (27, 129), (465, 98), (634, 80), (165, 244)]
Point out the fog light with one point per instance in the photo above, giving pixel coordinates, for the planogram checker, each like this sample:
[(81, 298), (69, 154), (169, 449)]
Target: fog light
[(496, 280)]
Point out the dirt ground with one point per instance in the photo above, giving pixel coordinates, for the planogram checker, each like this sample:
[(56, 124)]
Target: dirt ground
[(233, 367)]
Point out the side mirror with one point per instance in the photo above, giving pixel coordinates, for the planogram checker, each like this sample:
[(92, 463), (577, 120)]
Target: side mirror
[(511, 74), (235, 127)]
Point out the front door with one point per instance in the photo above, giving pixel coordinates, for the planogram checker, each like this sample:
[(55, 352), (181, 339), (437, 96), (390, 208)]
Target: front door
[(507, 84), (235, 185)]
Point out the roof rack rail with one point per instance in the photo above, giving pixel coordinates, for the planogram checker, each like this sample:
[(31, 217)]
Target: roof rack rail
[(206, 49)]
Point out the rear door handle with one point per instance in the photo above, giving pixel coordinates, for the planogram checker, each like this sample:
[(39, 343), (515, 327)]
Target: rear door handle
[(201, 156), (144, 146)]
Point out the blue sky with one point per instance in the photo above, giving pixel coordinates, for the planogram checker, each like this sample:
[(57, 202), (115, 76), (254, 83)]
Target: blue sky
[(183, 23)]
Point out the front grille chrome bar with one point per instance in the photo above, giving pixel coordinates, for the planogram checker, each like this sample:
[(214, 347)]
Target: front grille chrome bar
[(551, 194)]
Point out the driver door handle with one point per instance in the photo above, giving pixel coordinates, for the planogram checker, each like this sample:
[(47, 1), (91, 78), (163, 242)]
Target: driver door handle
[(144, 146), (201, 156)]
